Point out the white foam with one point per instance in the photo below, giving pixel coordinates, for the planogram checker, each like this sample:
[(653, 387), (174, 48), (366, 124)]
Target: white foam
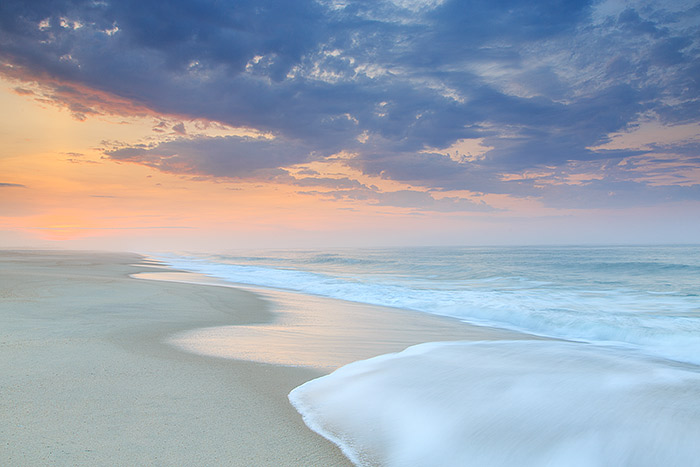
[(662, 325), (525, 403)]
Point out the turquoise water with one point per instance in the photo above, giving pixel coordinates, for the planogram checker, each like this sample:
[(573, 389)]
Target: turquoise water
[(646, 297)]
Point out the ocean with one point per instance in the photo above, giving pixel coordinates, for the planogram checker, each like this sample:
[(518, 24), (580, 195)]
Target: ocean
[(618, 385)]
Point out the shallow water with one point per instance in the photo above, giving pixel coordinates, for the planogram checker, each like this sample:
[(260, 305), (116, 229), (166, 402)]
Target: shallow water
[(644, 297), (624, 391)]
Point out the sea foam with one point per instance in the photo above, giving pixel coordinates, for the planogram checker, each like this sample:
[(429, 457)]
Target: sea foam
[(526, 403), (646, 298)]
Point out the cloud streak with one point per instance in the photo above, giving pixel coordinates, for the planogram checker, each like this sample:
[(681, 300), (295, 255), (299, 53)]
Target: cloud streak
[(410, 199), (230, 156)]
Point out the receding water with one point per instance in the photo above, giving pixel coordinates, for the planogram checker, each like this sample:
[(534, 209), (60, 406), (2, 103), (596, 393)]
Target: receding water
[(623, 391), (645, 297)]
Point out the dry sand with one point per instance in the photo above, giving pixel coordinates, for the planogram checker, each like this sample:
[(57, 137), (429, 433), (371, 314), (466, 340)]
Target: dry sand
[(89, 378)]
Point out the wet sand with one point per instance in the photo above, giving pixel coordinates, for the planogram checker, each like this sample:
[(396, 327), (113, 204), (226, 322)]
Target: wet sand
[(320, 332)]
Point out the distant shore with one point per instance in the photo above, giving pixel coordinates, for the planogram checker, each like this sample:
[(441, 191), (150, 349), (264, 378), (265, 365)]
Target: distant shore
[(89, 377)]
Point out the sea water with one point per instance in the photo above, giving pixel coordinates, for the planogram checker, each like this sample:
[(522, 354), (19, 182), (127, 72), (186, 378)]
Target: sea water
[(624, 393), (644, 297), (508, 403)]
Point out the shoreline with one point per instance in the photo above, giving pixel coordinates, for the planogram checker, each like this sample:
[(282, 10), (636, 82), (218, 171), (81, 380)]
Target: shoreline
[(320, 332), (91, 377)]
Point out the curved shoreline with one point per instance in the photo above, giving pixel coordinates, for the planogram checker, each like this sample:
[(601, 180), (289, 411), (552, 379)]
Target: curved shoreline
[(87, 379), (319, 332)]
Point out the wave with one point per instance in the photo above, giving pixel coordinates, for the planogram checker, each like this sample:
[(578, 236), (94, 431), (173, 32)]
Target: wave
[(636, 308), (527, 403)]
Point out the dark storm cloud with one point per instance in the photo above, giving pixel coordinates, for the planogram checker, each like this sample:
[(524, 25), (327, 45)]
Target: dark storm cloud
[(543, 83)]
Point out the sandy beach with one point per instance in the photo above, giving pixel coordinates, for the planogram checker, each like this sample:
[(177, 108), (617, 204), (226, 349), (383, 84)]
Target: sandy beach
[(91, 375)]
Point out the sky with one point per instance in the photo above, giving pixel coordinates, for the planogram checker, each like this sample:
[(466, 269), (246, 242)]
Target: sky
[(209, 124)]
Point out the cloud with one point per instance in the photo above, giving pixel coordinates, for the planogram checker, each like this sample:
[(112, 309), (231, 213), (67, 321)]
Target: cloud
[(23, 92), (539, 83), (11, 185), (411, 199), (226, 156), (343, 183), (617, 195), (426, 201), (179, 128)]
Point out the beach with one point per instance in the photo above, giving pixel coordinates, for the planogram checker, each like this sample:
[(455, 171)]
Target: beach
[(91, 375), (401, 233)]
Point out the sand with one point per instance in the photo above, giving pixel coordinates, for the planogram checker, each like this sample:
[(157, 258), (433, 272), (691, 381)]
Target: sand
[(319, 332), (90, 374)]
